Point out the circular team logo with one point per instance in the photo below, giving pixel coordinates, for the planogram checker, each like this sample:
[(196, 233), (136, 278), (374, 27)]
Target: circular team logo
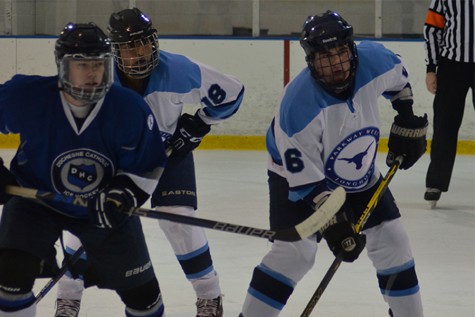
[(351, 163), (81, 172)]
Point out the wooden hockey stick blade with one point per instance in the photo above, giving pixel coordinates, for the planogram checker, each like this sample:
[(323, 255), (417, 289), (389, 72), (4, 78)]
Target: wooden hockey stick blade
[(359, 224), (52, 282), (302, 230)]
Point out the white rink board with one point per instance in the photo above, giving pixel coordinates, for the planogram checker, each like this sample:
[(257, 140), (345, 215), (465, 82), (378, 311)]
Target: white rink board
[(257, 63)]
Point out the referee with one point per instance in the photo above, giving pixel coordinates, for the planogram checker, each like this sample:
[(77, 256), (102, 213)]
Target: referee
[(449, 34)]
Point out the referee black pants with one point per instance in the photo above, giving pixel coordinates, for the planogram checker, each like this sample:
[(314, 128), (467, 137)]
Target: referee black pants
[(453, 82)]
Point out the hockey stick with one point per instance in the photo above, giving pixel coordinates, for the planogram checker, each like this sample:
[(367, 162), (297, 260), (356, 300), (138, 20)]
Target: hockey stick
[(301, 231), (359, 224), (52, 282)]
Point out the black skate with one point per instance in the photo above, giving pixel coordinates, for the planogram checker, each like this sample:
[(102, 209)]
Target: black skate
[(432, 195)]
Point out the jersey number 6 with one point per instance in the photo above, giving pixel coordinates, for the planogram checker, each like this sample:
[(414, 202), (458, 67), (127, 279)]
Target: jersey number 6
[(293, 161)]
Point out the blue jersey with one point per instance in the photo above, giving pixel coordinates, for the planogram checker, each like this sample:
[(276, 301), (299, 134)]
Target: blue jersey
[(56, 154), (179, 81), (317, 138)]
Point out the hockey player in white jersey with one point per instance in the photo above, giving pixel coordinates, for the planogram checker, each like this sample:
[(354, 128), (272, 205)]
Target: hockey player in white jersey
[(168, 81), (79, 135), (325, 134)]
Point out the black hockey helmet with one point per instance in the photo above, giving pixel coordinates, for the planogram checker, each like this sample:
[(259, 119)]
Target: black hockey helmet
[(83, 42), (131, 29), (87, 39), (323, 32)]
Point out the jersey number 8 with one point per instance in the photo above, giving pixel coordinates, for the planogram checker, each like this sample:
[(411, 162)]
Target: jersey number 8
[(216, 95)]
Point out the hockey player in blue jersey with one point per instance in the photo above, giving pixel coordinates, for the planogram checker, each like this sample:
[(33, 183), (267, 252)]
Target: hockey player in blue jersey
[(168, 81), (80, 135), (325, 134)]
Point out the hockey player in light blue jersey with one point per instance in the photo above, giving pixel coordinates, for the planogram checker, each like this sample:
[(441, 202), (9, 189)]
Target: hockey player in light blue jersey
[(325, 134), (169, 81), (80, 135)]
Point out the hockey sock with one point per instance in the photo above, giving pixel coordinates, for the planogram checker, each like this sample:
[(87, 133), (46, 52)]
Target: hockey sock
[(207, 287), (70, 288)]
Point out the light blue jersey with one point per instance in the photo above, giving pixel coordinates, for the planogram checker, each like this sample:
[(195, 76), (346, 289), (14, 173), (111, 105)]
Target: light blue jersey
[(315, 136), (178, 81)]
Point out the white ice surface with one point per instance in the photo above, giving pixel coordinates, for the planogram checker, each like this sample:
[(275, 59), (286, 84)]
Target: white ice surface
[(232, 187)]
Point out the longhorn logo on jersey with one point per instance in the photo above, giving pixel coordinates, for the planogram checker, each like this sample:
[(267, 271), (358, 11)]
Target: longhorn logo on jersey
[(81, 172), (351, 163)]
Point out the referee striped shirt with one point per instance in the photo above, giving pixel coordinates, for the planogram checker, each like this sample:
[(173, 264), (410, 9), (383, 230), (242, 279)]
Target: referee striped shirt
[(449, 32)]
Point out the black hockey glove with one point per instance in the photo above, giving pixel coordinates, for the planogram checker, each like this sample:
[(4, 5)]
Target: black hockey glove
[(189, 132), (106, 210), (6, 178), (342, 238), (407, 138)]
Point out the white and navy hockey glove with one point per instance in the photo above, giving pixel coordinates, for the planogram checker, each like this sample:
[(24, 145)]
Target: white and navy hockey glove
[(407, 138), (189, 132), (108, 209)]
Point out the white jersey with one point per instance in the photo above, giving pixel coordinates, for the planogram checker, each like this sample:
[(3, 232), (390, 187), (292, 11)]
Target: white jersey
[(315, 136), (178, 81)]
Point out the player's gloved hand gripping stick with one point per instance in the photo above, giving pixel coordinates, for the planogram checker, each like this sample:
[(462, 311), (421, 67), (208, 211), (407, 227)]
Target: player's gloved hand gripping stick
[(120, 193), (359, 225)]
